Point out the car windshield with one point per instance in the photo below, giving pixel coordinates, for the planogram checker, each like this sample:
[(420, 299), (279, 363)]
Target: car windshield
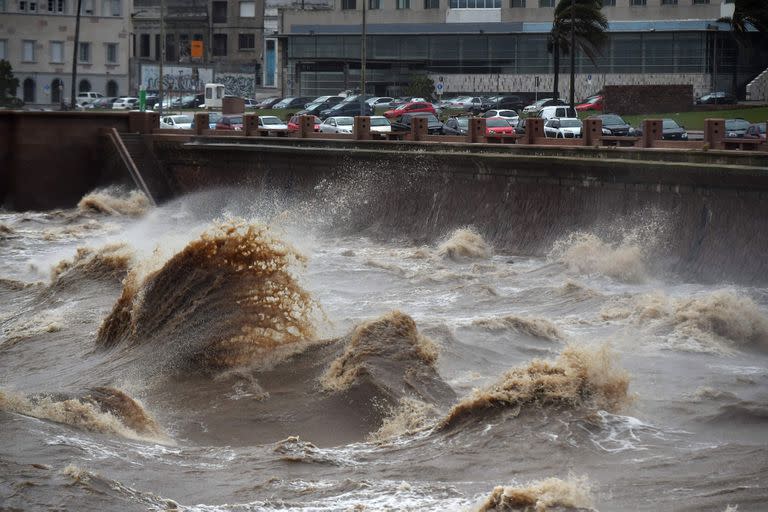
[(497, 122), (235, 120), (670, 124), (463, 122), (507, 113), (213, 117), (270, 120), (570, 123), (345, 121), (612, 120), (379, 121), (182, 119), (592, 100), (761, 127), (542, 101), (736, 124)]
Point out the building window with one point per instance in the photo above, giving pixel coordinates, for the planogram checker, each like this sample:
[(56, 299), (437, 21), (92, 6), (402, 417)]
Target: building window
[(29, 91), (170, 48), (111, 53), (57, 87), (110, 8), (219, 12), (3, 49), (27, 6), (84, 55), (637, 3), (517, 3), (184, 48), (247, 9), (402, 4), (546, 3), (668, 2), (2, 5), (111, 88), (374, 4), (348, 4), (219, 45), (28, 51), (431, 4), (56, 6), (57, 52), (475, 4), (84, 86), (609, 3), (144, 45), (246, 41), (700, 2), (87, 8)]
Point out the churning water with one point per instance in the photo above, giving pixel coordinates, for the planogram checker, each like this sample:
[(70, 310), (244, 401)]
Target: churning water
[(237, 351)]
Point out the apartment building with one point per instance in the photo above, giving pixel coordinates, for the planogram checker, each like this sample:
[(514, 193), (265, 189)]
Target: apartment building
[(37, 38), (501, 45), (230, 33)]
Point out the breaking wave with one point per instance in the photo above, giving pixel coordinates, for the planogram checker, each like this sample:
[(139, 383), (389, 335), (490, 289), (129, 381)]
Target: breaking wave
[(465, 244), (541, 496), (6, 230), (586, 253), (580, 377), (410, 415), (536, 327), (114, 202), (112, 260), (102, 409), (226, 300)]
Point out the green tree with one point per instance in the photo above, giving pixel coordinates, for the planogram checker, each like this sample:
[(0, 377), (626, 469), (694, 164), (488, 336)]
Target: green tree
[(747, 14), (421, 86), (8, 83), (590, 25)]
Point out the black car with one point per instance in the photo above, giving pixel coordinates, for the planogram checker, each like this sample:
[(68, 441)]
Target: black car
[(292, 102), (403, 123), (515, 103), (351, 108), (670, 130), (269, 102), (456, 126), (315, 108), (717, 98), (736, 127), (614, 125)]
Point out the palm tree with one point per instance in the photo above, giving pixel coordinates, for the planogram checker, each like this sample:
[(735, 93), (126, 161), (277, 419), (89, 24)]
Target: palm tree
[(746, 14), (590, 25)]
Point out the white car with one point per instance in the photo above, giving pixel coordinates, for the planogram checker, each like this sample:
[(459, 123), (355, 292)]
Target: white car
[(84, 98), (553, 111), (337, 124), (380, 124), (563, 128), (505, 113), (125, 103), (380, 101), (179, 122), (535, 107), (272, 123)]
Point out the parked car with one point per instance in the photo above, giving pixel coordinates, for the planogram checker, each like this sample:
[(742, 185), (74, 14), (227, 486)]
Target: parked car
[(351, 108), (535, 107), (755, 131), (213, 117), (403, 123), (563, 128), (292, 102), (188, 101), (380, 124), (508, 103), (268, 102), (398, 102), (520, 126), (315, 108), (670, 130), (614, 125), (83, 98), (736, 127), (380, 101), (177, 122), (717, 98), (507, 114), (472, 104), (102, 102), (293, 123), (416, 106), (551, 111), (230, 122), (125, 103), (337, 124), (591, 103), (456, 126), (251, 103), (498, 126), (323, 99), (272, 123)]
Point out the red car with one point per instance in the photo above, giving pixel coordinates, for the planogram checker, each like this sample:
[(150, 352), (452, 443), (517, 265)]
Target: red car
[(411, 108), (293, 124), (498, 126), (230, 123), (591, 103)]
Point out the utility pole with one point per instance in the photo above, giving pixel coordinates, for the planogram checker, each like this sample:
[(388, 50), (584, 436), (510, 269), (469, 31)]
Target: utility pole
[(573, 53), (362, 63), (75, 55), (162, 55)]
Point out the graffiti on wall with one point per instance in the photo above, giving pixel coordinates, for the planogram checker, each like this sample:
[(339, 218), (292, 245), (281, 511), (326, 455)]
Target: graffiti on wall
[(237, 84), (185, 78)]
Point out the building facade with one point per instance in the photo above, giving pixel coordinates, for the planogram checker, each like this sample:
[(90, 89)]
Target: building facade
[(37, 38), (501, 46), (232, 37)]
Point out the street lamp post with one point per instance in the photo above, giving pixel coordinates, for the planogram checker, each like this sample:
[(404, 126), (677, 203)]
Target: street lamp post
[(162, 56), (362, 63), (75, 54), (573, 53)]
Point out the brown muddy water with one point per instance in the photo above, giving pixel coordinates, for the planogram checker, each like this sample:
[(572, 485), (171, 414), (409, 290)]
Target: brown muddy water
[(232, 352)]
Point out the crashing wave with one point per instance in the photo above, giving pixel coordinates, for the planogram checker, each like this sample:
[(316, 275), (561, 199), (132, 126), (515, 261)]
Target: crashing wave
[(109, 261), (465, 244), (573, 494), (536, 327), (586, 253), (113, 202)]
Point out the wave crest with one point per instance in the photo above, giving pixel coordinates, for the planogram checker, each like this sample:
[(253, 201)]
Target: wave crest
[(114, 202), (465, 244), (536, 327), (587, 253), (580, 377), (541, 496), (112, 260)]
